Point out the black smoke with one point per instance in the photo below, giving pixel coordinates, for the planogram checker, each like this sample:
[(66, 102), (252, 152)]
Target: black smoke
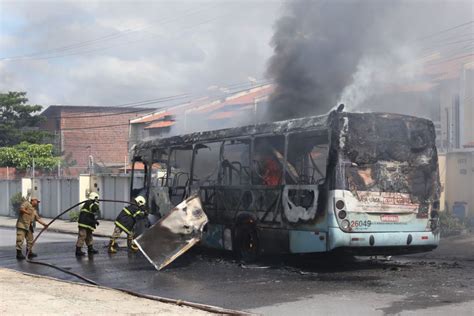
[(318, 45), (367, 54)]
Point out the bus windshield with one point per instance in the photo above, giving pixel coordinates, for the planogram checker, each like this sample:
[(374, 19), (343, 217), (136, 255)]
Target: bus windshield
[(383, 153)]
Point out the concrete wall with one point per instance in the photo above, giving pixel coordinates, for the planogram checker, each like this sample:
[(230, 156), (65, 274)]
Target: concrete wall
[(442, 180), (59, 194), (114, 188), (8, 188), (460, 179)]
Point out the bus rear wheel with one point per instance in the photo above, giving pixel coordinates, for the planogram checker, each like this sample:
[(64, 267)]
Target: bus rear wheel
[(246, 243)]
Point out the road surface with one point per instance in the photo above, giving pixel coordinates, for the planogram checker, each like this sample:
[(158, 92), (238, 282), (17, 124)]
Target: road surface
[(431, 283)]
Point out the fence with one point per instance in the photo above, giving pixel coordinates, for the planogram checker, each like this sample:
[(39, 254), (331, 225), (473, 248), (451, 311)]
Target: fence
[(58, 194), (8, 188)]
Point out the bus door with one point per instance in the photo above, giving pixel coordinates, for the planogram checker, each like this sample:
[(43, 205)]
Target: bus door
[(138, 179), (205, 178), (158, 201), (178, 174), (268, 165), (234, 190), (304, 194)]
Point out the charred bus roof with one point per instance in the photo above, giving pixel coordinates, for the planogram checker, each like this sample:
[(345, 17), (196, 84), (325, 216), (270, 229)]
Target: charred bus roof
[(312, 123)]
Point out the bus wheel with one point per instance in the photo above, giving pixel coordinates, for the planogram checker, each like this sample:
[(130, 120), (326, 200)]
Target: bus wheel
[(246, 243)]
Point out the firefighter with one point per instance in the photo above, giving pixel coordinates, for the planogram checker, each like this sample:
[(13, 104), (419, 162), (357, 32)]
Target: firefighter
[(87, 223), (24, 227), (126, 221)]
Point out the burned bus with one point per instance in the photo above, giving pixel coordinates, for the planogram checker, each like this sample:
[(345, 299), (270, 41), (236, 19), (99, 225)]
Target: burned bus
[(361, 183)]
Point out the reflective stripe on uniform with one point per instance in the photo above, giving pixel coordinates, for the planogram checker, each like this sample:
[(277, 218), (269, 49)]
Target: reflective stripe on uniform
[(86, 211), (86, 226), (122, 227), (137, 213), (127, 211)]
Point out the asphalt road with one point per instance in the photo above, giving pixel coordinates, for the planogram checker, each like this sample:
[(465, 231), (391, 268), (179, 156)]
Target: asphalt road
[(431, 283)]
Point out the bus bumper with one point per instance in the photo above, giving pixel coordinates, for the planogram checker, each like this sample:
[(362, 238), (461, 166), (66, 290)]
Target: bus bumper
[(390, 243)]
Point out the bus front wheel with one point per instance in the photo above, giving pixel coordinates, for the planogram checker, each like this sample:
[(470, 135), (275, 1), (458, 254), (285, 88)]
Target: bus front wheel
[(246, 243)]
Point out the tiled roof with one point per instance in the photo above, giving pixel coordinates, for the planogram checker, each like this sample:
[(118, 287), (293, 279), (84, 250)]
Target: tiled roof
[(160, 124)]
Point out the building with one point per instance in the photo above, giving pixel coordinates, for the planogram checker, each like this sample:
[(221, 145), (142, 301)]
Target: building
[(207, 113), (90, 136), (456, 102), (459, 180)]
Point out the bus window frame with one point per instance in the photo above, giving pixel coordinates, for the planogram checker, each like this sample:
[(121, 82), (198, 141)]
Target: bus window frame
[(153, 161), (252, 156), (321, 133), (248, 139), (196, 147), (171, 149), (145, 179)]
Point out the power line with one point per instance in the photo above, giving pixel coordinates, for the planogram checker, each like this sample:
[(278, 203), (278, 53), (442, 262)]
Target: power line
[(94, 41), (446, 30), (234, 85), (100, 115), (94, 127), (448, 60), (126, 124), (192, 27)]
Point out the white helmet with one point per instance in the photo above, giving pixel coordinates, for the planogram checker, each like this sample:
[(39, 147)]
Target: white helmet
[(93, 196), (140, 200)]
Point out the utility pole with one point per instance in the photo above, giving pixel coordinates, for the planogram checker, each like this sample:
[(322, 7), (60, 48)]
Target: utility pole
[(8, 191), (125, 165)]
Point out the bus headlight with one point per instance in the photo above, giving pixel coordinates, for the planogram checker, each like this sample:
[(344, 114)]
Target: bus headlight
[(340, 204), (342, 214), (345, 224)]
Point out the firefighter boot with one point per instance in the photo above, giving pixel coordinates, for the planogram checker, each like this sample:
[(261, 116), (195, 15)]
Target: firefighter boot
[(131, 245), (31, 254), (112, 247), (19, 255), (91, 250), (79, 252)]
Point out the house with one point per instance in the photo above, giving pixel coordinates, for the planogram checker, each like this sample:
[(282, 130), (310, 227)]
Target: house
[(238, 108), (88, 136)]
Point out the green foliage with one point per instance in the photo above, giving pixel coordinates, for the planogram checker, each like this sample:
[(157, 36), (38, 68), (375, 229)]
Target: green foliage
[(450, 225), (73, 216), (19, 121), (21, 156), (16, 201)]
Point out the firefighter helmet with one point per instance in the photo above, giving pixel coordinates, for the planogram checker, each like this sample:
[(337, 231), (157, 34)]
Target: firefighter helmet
[(140, 200), (93, 196)]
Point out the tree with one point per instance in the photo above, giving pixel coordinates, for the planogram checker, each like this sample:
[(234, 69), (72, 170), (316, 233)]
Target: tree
[(21, 156), (19, 121)]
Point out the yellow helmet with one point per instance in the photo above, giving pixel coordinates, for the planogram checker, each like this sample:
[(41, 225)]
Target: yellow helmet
[(140, 200), (93, 196)]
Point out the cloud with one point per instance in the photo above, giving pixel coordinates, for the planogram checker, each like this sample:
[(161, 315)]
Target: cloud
[(99, 52)]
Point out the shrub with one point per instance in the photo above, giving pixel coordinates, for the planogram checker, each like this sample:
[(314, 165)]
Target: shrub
[(16, 201), (73, 216), (450, 225)]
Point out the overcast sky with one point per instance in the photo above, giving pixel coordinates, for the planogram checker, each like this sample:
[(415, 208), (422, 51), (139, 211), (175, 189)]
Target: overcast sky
[(100, 52), (114, 52)]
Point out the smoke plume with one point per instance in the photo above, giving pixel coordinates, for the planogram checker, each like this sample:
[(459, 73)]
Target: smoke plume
[(350, 51)]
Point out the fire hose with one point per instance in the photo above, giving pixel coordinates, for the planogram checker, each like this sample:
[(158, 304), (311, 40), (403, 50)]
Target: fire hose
[(208, 308)]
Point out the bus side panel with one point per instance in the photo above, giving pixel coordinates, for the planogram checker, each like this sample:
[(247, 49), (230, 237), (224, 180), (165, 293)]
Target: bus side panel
[(273, 241), (307, 241)]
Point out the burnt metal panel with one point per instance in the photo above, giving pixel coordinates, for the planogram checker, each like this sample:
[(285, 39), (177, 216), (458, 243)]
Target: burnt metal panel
[(174, 234), (315, 122), (274, 241)]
